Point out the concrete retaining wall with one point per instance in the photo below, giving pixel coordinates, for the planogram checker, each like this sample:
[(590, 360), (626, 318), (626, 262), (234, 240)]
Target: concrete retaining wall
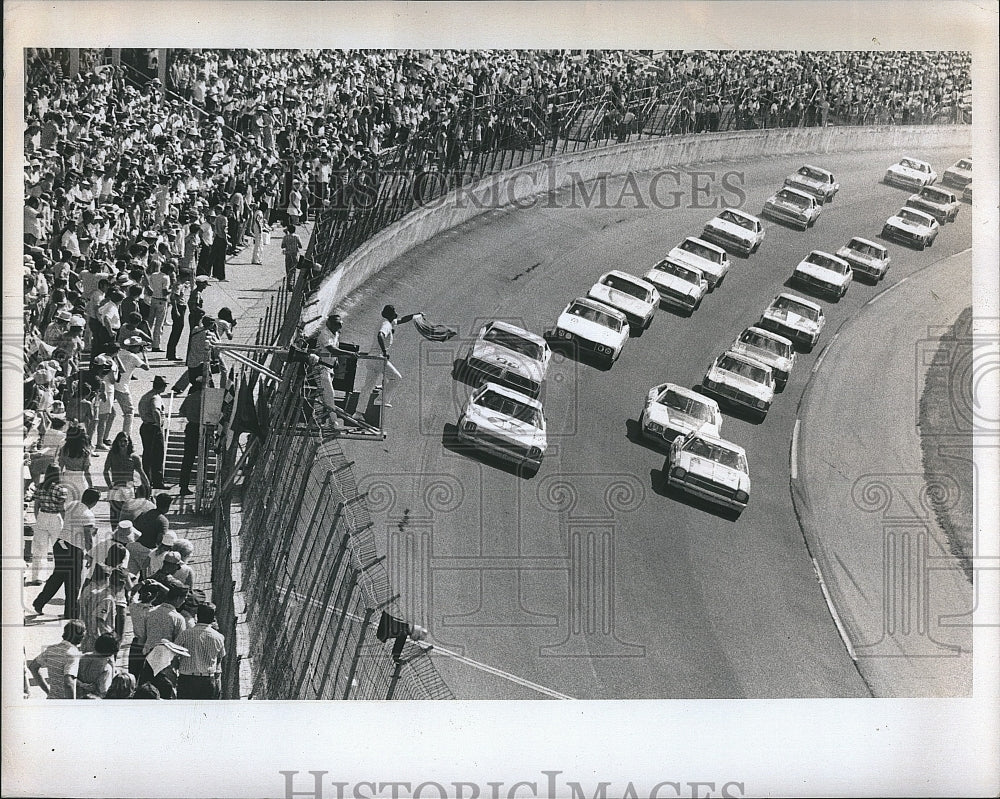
[(519, 185)]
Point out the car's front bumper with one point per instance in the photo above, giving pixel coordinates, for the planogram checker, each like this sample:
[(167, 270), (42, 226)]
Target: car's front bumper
[(720, 495)]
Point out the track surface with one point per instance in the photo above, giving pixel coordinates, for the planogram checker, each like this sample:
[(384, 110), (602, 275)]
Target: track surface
[(588, 579)]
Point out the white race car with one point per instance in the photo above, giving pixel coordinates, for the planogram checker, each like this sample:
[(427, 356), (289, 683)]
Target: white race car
[(505, 423), (795, 318), (958, 174), (794, 207), (506, 354), (939, 203), (866, 258), (593, 327), (712, 468), (816, 181), (713, 261), (735, 231), (631, 295), (824, 273), (912, 227), (768, 348), (910, 173), (679, 285), (741, 381), (673, 410)]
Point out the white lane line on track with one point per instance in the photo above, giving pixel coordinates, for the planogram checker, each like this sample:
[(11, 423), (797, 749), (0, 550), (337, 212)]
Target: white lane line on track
[(499, 673), (506, 675), (833, 612), (795, 450), (822, 355)]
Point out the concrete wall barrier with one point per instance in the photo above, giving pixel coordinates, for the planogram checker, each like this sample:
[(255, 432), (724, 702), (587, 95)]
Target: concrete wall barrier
[(522, 184)]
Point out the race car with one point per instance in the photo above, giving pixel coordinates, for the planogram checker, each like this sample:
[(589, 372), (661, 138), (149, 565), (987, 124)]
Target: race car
[(866, 258), (735, 230), (505, 423), (678, 284), (710, 467), (631, 295), (824, 273), (673, 410), (816, 181), (768, 348), (793, 207), (593, 327), (506, 354), (958, 174), (910, 173), (795, 318), (713, 261), (939, 203), (742, 381), (912, 227)]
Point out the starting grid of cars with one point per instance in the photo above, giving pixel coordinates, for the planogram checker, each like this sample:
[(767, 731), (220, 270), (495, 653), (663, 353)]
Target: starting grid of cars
[(504, 415)]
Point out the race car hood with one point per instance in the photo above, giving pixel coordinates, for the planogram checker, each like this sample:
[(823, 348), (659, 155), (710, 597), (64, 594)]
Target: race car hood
[(685, 257), (671, 283), (590, 330), (619, 299), (805, 180), (744, 384), (791, 319), (788, 204), (674, 419), (776, 362), (853, 255), (714, 471), (508, 359), (730, 228), (506, 427), (907, 172), (916, 199), (902, 224), (822, 273)]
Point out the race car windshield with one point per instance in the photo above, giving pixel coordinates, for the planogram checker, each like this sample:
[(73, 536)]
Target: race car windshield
[(765, 343), (815, 174), (736, 219), (864, 249), (936, 195), (509, 407), (827, 263), (909, 216), (787, 304), (686, 405), (964, 165), (912, 165), (695, 248), (514, 342), (744, 369), (793, 199), (678, 271), (713, 452), (626, 287), (594, 315)]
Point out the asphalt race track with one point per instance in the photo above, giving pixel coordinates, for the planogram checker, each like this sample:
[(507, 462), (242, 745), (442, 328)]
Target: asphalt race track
[(589, 580)]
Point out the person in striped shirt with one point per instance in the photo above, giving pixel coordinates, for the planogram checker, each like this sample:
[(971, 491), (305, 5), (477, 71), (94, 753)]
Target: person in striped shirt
[(61, 662), (200, 671)]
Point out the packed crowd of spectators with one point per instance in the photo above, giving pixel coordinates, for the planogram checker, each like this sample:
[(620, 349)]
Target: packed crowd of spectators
[(136, 193)]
